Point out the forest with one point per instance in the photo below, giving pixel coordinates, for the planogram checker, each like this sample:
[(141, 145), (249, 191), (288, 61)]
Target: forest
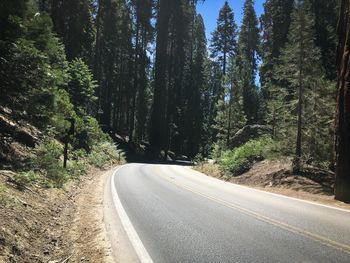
[(144, 70)]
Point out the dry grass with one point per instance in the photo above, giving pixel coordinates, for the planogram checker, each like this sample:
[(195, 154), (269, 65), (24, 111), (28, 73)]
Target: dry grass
[(209, 169)]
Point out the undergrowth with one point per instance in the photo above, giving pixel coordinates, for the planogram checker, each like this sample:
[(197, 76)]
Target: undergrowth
[(47, 166), (241, 159)]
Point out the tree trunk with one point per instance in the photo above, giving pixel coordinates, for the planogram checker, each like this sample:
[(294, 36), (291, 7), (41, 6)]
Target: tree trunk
[(228, 138), (342, 126), (141, 103), (136, 81), (297, 158), (274, 123), (97, 58), (298, 149), (158, 134), (224, 65)]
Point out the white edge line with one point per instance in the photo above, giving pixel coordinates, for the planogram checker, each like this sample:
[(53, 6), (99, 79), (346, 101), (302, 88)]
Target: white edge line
[(135, 240), (274, 194)]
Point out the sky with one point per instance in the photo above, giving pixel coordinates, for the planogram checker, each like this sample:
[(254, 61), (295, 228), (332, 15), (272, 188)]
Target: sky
[(210, 11)]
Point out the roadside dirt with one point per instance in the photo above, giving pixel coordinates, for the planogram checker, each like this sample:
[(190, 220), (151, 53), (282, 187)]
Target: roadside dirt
[(54, 225), (275, 176), (88, 235)]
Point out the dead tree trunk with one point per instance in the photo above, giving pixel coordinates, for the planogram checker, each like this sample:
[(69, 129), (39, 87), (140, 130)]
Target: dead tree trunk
[(342, 126)]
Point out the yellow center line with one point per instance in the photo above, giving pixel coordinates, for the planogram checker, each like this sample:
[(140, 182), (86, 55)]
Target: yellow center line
[(293, 229)]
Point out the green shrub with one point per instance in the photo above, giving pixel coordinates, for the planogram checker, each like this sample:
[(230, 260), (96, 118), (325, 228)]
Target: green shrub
[(48, 162), (81, 86), (26, 178), (63, 109), (88, 133), (105, 153), (75, 168), (240, 160), (217, 151)]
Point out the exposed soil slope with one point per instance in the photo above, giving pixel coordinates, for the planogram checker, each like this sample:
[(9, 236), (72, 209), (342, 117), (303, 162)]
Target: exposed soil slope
[(53, 225), (17, 140)]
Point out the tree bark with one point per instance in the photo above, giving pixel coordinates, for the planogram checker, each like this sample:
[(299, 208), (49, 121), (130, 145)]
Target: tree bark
[(298, 146), (97, 58), (141, 112), (158, 134), (298, 150), (136, 80), (342, 125)]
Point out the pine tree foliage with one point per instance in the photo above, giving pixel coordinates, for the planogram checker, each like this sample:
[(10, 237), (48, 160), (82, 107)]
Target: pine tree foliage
[(198, 87), (275, 23), (230, 114), (81, 86), (73, 23), (326, 19), (38, 59), (47, 89), (302, 69), (249, 38), (248, 45), (224, 38), (213, 96)]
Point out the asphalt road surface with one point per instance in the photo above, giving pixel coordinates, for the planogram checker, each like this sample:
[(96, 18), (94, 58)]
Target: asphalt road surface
[(174, 214)]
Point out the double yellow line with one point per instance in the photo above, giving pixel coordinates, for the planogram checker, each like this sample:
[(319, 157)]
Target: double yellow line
[(293, 229)]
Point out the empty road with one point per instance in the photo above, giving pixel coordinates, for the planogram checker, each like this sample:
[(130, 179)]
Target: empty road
[(174, 214)]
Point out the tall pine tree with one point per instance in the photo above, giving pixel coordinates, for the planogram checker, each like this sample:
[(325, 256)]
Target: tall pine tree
[(248, 45), (302, 69), (198, 86), (224, 38)]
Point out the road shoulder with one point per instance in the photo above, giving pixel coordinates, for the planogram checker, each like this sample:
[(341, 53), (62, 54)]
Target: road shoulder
[(268, 176), (120, 245), (88, 235)]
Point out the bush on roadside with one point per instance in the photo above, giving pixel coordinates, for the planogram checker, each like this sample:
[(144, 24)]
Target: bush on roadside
[(48, 162), (88, 133), (26, 178), (77, 164), (105, 153), (241, 159), (76, 168)]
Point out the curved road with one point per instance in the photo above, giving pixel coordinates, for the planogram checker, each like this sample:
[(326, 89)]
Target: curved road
[(174, 214)]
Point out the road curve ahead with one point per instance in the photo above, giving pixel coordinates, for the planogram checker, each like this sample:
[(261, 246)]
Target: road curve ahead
[(175, 214)]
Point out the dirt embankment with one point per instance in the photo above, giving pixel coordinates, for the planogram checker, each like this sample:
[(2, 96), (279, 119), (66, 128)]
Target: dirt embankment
[(18, 139), (276, 176), (54, 225)]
